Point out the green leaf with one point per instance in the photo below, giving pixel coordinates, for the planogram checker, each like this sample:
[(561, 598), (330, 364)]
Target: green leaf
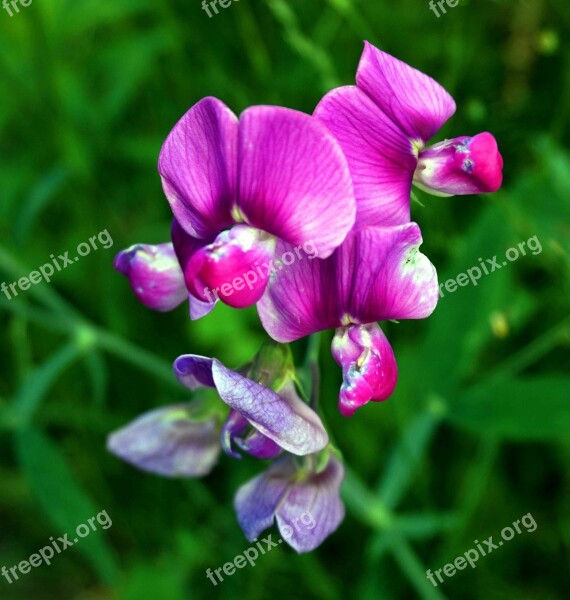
[(65, 503), (98, 376), (536, 408), (363, 504), (150, 581), (424, 525), (37, 385), (462, 325), (406, 458), (38, 198)]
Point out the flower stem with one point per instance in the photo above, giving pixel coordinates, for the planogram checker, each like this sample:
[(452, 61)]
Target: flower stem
[(312, 368)]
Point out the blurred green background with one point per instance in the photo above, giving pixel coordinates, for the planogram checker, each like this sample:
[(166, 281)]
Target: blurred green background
[(477, 433)]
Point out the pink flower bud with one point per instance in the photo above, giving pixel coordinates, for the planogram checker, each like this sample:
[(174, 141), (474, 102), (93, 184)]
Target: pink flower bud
[(464, 165)]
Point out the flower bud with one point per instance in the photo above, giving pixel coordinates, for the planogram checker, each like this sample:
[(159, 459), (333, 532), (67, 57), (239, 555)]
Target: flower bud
[(154, 275), (464, 165)]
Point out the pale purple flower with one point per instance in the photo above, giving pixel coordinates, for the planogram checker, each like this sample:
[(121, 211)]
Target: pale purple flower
[(278, 420), (172, 441), (238, 431), (304, 503), (383, 125), (378, 274)]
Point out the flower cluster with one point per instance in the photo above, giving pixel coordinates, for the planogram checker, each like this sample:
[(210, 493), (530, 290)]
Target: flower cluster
[(246, 190)]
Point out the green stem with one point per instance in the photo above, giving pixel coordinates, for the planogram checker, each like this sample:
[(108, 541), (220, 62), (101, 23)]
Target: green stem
[(311, 367), (407, 456), (475, 485), (410, 564), (364, 505), (91, 334), (136, 356), (530, 353)]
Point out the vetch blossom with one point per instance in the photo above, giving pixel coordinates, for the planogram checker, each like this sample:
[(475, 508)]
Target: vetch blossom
[(172, 441), (277, 420), (236, 187), (378, 274), (383, 125), (285, 491)]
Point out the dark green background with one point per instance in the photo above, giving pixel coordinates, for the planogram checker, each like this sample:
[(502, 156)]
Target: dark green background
[(477, 433)]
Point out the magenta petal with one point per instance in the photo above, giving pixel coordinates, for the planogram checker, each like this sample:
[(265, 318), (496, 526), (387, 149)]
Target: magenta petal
[(379, 155), (294, 181), (231, 267), (413, 100), (402, 284), (368, 366), (154, 274), (185, 247), (377, 274), (464, 165), (169, 442), (198, 167)]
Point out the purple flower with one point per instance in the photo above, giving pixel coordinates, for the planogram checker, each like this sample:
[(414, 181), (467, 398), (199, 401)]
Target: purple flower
[(238, 431), (238, 186), (305, 503), (377, 274), (278, 419), (383, 125), (173, 441), (154, 275)]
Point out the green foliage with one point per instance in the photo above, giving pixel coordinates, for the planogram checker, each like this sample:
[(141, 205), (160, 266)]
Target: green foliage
[(531, 408), (476, 434), (63, 501)]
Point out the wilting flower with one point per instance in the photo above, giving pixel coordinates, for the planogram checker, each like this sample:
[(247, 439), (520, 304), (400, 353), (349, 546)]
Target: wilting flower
[(237, 186), (186, 439), (305, 502), (383, 125), (173, 441), (154, 275), (377, 274), (275, 419)]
